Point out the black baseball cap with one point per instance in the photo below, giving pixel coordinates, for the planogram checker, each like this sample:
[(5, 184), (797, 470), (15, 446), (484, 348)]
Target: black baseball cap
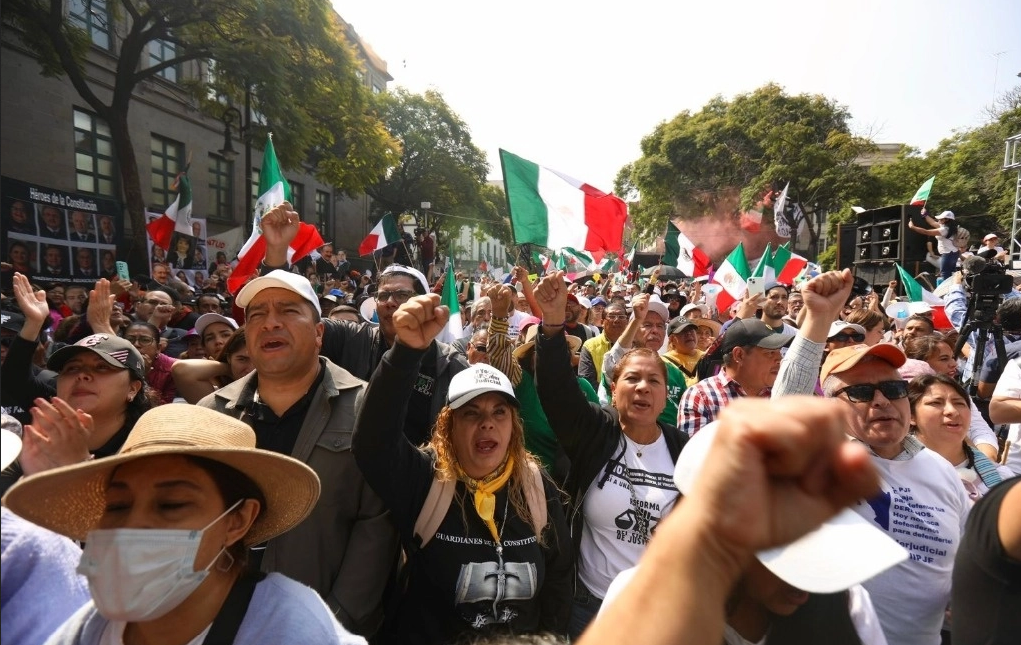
[(679, 324), (752, 331)]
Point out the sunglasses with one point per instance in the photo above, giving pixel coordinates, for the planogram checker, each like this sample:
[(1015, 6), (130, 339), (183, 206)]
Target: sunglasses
[(865, 392), (481, 348), (851, 336)]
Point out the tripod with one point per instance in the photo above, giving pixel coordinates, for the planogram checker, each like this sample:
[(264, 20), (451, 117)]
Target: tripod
[(980, 318)]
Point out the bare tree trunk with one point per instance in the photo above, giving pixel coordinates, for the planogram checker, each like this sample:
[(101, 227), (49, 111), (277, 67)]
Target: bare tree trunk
[(127, 163)]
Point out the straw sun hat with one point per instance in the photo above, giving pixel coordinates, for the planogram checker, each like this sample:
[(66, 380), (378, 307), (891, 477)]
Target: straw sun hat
[(70, 500)]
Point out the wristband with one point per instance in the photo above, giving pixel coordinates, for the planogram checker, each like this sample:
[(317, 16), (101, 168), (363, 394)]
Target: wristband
[(546, 324), (265, 268)]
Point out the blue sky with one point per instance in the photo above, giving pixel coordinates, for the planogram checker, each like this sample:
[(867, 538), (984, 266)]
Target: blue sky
[(576, 85)]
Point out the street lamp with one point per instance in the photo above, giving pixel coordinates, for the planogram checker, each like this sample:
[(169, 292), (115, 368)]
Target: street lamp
[(232, 116), (229, 116)]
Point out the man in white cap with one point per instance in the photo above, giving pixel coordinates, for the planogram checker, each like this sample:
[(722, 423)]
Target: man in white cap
[(922, 506), (303, 405), (359, 347), (647, 328)]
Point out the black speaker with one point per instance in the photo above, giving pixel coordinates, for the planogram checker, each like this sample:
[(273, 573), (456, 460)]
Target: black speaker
[(877, 274), (883, 236), (846, 240)]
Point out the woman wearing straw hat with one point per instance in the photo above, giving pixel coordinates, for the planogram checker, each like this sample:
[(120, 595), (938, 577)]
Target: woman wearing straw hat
[(92, 404), (167, 523), (487, 542)]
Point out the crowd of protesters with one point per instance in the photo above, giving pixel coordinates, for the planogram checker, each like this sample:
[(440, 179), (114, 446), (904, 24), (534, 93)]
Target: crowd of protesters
[(600, 460)]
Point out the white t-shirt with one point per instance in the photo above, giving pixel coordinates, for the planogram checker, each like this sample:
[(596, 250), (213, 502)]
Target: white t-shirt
[(943, 243), (620, 517), (1009, 385), (923, 506)]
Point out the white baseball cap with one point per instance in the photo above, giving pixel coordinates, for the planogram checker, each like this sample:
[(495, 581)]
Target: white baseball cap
[(658, 306), (692, 307), (844, 551), (991, 236), (838, 326), (279, 279), (478, 379), (206, 320), (945, 215)]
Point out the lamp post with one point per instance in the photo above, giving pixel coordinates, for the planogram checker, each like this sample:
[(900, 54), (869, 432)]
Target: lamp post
[(230, 116)]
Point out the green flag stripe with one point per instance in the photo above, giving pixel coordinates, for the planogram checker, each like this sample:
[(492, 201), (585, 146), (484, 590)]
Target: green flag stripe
[(270, 173), (390, 230), (529, 217)]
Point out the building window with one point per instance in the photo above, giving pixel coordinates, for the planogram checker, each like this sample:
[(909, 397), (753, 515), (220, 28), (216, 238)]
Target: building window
[(93, 155), (376, 89), (256, 174), (92, 16), (221, 188), (166, 156), (161, 51), (297, 197), (322, 210)]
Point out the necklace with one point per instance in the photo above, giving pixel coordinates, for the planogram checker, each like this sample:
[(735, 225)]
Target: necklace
[(639, 447)]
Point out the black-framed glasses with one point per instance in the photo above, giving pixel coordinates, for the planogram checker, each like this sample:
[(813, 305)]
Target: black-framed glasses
[(400, 296), (865, 392), (141, 341), (481, 348), (852, 336)]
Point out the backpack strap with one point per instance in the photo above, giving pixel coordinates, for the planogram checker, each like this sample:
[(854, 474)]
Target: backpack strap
[(228, 620), (441, 493), (535, 496)]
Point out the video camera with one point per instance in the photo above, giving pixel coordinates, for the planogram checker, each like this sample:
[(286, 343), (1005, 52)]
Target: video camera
[(984, 277)]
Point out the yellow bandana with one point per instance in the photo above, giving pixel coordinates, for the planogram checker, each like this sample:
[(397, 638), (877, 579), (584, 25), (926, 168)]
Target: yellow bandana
[(485, 493)]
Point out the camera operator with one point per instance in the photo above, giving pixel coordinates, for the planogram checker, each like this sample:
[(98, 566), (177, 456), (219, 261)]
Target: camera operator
[(985, 304)]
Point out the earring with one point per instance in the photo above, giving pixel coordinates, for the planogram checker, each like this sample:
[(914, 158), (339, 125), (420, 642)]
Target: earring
[(230, 564)]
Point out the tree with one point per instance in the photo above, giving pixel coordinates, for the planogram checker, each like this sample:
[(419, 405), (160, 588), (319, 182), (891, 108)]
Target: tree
[(275, 49), (726, 160), (968, 167), (439, 163)]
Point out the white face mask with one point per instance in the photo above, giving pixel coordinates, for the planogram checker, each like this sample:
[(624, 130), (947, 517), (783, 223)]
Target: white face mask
[(141, 574)]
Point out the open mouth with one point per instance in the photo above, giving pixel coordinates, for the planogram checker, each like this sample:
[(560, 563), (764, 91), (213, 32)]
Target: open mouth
[(641, 405), (486, 446), (273, 344)]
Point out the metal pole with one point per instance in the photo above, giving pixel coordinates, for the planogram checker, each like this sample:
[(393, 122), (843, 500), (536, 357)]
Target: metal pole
[(1012, 161), (246, 134)]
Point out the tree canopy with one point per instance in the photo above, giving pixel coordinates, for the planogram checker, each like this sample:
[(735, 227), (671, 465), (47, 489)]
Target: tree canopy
[(439, 164), (725, 158), (292, 55)]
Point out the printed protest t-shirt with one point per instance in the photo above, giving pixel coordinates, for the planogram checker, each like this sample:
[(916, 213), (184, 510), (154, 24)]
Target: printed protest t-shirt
[(923, 506), (620, 516)]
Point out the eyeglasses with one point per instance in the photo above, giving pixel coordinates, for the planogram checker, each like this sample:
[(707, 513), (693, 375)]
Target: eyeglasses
[(141, 341), (865, 392), (481, 348), (617, 317), (400, 296), (853, 336)]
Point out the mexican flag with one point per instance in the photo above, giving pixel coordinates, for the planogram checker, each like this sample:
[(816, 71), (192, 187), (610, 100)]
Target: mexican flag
[(915, 291), (732, 275), (551, 209), (574, 261), (274, 190), (383, 234), (541, 260), (788, 265), (683, 254), (454, 329), (922, 194), (764, 268), (628, 259), (177, 217)]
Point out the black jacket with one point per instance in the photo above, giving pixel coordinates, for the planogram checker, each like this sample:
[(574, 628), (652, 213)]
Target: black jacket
[(588, 433)]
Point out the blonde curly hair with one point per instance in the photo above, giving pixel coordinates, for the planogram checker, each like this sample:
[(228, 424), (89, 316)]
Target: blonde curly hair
[(447, 467)]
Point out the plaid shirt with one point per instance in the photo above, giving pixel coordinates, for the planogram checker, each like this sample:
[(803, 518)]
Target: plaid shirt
[(701, 403)]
